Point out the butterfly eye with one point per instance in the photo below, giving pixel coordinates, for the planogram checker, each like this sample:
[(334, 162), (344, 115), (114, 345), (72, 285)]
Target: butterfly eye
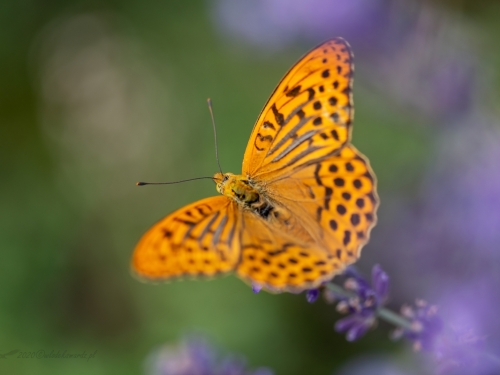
[(224, 179)]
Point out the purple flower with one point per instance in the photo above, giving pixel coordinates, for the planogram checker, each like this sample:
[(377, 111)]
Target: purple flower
[(237, 366), (468, 343), (312, 295), (426, 325), (373, 364), (363, 303), (276, 23), (196, 357), (193, 357), (380, 282), (356, 325), (256, 288)]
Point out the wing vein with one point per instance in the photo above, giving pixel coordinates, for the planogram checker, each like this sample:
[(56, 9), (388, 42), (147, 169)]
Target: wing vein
[(296, 143)]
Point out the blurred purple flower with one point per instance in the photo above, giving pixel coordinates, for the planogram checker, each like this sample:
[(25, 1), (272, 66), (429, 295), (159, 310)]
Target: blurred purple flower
[(373, 365), (196, 357), (412, 52), (426, 325), (362, 306), (256, 288), (276, 23), (454, 346), (431, 71), (237, 366), (380, 282), (468, 343), (312, 295), (462, 195), (453, 239), (356, 325), (193, 357)]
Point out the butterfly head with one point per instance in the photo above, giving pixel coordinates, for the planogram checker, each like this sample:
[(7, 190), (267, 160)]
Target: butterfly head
[(236, 187)]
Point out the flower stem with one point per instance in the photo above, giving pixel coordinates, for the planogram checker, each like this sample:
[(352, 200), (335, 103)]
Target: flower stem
[(339, 290), (394, 318)]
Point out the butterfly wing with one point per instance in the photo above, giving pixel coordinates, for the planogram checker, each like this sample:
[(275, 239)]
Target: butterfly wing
[(334, 200), (279, 262), (308, 117), (300, 156), (200, 239)]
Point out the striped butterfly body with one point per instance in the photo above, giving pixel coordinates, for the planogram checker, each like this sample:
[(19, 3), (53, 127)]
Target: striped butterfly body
[(304, 204)]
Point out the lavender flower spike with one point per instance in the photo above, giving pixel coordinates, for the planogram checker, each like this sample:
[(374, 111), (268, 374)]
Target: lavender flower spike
[(426, 325), (355, 325), (362, 302), (380, 282)]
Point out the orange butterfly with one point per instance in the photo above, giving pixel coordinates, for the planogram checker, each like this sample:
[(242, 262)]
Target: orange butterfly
[(305, 202)]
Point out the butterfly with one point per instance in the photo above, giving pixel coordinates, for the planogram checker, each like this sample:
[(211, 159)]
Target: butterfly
[(304, 204)]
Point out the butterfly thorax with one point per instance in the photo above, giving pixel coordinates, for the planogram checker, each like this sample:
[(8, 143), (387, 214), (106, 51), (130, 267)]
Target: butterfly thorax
[(251, 196), (236, 187), (240, 189)]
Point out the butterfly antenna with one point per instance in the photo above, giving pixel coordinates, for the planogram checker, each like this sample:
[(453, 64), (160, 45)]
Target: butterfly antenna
[(209, 101), (140, 183)]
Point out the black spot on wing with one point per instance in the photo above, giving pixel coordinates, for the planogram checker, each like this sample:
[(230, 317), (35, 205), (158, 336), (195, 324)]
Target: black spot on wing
[(316, 174), (347, 237), (293, 92), (346, 195), (328, 197), (341, 209), (335, 135), (333, 224), (360, 202), (355, 220), (268, 125), (311, 93), (317, 121), (280, 119), (339, 181)]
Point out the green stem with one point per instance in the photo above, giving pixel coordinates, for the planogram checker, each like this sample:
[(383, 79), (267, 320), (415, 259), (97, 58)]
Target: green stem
[(394, 318), (339, 290)]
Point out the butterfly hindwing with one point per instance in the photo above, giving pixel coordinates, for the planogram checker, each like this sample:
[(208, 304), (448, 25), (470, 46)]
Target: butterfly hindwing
[(200, 239), (335, 200), (308, 116), (278, 261)]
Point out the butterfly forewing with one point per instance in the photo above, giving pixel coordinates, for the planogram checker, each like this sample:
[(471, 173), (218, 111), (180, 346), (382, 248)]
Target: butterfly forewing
[(308, 116), (201, 239)]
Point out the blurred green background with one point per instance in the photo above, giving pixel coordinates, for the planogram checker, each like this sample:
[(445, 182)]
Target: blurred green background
[(95, 96)]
